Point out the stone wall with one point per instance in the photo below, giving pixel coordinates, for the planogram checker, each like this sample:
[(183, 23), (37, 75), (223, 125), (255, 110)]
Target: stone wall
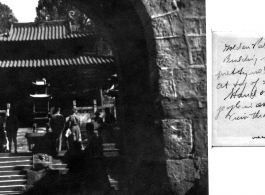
[(180, 34), (160, 48)]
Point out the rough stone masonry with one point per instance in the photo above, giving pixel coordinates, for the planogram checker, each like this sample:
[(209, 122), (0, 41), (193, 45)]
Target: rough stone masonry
[(180, 33), (176, 30)]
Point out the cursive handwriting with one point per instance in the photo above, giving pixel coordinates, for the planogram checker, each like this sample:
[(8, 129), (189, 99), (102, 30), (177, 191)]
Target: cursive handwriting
[(258, 44), (246, 58), (239, 92)]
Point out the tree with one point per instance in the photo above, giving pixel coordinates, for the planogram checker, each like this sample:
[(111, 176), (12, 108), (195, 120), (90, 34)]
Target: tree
[(59, 10), (6, 18)]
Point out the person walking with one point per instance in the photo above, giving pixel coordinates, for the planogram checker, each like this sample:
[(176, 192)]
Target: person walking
[(11, 130), (94, 174), (57, 125), (109, 117), (74, 138), (74, 143), (98, 123), (3, 138), (109, 122)]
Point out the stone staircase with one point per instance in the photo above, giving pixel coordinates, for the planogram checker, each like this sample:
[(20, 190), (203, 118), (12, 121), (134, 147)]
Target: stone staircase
[(13, 170), (13, 167)]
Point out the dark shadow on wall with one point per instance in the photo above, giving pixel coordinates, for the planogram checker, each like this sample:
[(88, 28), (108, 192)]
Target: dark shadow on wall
[(128, 25), (200, 187)]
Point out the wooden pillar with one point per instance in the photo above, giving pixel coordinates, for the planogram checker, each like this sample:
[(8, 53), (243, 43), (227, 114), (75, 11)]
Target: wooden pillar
[(95, 105), (101, 99), (33, 106), (114, 108), (8, 108), (7, 112), (74, 103)]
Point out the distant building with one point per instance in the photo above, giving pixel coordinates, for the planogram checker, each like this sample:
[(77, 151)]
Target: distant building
[(57, 51)]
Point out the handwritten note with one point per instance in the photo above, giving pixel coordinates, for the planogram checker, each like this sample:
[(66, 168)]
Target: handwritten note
[(238, 89)]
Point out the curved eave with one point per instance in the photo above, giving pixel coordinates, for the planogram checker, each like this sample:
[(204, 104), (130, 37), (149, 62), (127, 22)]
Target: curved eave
[(40, 96), (38, 84)]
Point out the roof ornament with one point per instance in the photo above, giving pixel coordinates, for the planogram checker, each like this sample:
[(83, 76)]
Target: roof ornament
[(71, 14), (47, 17), (73, 26)]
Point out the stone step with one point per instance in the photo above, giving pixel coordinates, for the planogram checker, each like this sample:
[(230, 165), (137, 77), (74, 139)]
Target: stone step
[(109, 145), (58, 161), (15, 154), (10, 192), (16, 167), (13, 172), (12, 188), (62, 153), (14, 163), (59, 166), (12, 177), (111, 152), (13, 182), (25, 129), (15, 158), (62, 171)]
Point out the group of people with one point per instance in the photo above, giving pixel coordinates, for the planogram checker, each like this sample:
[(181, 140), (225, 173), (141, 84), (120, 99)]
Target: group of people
[(61, 127), (89, 165), (70, 128)]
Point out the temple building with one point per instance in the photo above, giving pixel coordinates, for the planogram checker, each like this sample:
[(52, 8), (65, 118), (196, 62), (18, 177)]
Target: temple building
[(59, 52)]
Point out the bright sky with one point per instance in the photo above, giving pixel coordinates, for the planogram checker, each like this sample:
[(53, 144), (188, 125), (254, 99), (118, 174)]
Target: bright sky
[(24, 10)]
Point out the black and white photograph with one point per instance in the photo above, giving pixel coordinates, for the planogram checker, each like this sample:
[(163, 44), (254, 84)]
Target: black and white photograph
[(104, 97)]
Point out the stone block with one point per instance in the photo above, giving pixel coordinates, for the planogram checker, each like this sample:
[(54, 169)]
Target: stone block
[(183, 108), (200, 137), (197, 42), (194, 8), (192, 26), (172, 58), (202, 164), (157, 7), (184, 176), (185, 90), (177, 137), (161, 27), (166, 73), (177, 25), (198, 57), (167, 88), (203, 26), (190, 75), (193, 81)]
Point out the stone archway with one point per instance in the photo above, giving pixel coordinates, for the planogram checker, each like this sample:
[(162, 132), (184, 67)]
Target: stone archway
[(160, 50)]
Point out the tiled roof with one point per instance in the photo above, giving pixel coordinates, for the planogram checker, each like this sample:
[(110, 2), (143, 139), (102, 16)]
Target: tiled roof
[(75, 61), (44, 31)]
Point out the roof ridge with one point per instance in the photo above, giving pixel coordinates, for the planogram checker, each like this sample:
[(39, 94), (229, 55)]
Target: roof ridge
[(24, 24), (47, 30), (58, 61)]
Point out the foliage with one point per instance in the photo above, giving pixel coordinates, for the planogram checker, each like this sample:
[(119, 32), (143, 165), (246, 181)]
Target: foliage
[(59, 10), (50, 10), (6, 18)]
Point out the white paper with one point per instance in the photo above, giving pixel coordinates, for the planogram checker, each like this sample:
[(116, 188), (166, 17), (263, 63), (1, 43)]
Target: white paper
[(238, 89)]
